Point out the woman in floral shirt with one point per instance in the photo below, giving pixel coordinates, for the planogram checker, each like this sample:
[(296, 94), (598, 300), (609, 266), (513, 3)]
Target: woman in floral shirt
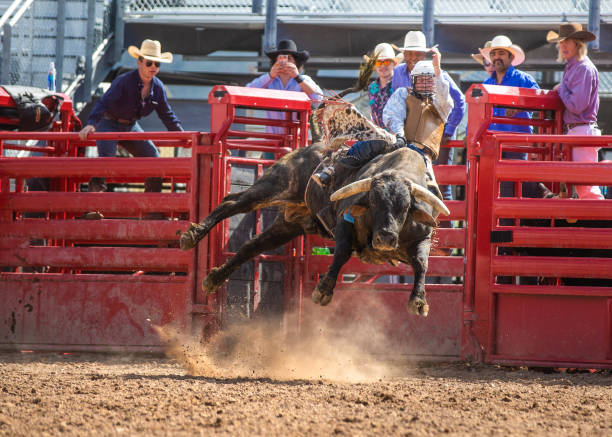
[(380, 88)]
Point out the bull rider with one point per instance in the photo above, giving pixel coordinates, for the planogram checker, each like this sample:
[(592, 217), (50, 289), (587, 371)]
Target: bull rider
[(415, 115)]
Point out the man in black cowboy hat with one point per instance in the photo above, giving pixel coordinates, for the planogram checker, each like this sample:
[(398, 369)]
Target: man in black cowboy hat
[(285, 74)]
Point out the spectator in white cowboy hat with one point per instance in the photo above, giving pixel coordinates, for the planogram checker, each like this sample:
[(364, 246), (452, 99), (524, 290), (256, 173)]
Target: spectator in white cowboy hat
[(381, 89), (415, 49), (131, 96), (579, 92), (486, 64), (286, 74), (505, 56)]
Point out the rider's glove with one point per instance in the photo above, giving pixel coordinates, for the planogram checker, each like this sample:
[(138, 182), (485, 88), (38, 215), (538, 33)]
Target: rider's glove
[(400, 141)]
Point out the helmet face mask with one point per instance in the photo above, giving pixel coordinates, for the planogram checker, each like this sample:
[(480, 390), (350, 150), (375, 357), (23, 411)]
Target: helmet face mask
[(422, 78)]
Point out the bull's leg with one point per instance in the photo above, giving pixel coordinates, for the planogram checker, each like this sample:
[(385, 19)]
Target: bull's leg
[(417, 303), (324, 290), (279, 233), (232, 204)]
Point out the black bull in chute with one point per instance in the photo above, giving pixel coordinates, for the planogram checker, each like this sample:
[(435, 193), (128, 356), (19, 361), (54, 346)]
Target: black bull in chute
[(391, 216)]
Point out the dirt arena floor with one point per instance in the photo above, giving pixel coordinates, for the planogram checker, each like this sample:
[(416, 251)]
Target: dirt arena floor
[(247, 383)]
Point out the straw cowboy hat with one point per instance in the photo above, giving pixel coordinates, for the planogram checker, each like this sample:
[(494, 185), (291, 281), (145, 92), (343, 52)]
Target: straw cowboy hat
[(150, 50), (288, 47), (414, 41), (503, 42), (384, 52), (569, 30), (478, 57)]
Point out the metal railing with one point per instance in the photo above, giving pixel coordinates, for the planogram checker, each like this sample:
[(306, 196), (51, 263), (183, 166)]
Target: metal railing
[(389, 8), (32, 34)]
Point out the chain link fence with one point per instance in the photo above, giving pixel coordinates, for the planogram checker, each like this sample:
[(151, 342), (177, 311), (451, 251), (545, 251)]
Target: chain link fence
[(30, 34), (378, 8)]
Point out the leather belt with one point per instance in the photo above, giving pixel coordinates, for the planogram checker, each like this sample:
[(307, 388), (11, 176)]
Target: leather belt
[(573, 125), (109, 116)]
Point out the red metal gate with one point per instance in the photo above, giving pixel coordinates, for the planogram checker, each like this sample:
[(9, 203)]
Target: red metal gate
[(69, 283), (520, 308)]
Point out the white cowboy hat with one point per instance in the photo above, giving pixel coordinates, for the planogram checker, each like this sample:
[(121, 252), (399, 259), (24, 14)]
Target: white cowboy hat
[(415, 42), (384, 52), (503, 42), (150, 50)]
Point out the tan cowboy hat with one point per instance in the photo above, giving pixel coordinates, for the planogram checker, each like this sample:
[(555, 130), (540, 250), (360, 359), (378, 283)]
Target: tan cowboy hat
[(478, 57), (503, 42), (150, 50), (384, 52), (414, 41), (569, 30)]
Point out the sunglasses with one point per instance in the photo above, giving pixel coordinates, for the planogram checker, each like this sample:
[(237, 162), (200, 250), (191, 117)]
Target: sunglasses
[(149, 63), (386, 62)]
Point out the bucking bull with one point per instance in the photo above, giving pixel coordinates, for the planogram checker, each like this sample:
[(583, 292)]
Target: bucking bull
[(383, 211)]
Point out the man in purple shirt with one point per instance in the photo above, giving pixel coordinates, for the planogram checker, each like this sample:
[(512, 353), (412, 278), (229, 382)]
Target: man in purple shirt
[(131, 96), (415, 49), (285, 74), (579, 92)]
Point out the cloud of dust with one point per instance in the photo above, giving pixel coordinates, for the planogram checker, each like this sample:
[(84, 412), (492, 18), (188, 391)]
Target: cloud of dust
[(327, 347)]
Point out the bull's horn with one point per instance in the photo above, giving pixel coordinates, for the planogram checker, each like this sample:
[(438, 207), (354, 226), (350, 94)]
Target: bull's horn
[(356, 187), (424, 194)]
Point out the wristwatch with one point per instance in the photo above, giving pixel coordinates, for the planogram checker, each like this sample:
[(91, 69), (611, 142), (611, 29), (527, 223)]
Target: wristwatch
[(299, 78)]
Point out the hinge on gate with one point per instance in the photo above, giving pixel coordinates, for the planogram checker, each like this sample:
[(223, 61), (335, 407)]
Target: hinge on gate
[(501, 237)]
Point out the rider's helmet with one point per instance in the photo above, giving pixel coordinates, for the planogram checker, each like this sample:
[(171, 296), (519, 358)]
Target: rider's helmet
[(422, 68)]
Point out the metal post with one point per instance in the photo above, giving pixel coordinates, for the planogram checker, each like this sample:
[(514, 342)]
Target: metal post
[(119, 30), (270, 29), (257, 7), (428, 21), (6, 53), (59, 44), (594, 20), (89, 42)]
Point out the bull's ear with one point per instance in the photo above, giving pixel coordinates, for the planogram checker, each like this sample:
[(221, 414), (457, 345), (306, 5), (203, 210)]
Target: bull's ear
[(357, 210), (422, 213)]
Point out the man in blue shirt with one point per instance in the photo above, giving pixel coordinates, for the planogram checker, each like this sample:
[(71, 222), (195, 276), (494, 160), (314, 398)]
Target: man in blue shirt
[(131, 96), (504, 56), (415, 49)]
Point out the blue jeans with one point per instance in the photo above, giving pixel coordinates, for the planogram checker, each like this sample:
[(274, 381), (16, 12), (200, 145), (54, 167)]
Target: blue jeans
[(108, 149)]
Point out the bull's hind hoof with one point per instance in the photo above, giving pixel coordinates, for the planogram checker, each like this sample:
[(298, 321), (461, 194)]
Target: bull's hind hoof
[(211, 282), (321, 298), (418, 307), (189, 238)]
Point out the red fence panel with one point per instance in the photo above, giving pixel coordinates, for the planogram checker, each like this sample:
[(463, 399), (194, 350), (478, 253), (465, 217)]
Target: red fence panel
[(539, 272), (74, 284)]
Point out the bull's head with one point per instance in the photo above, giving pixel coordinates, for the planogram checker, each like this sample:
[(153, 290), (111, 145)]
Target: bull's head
[(390, 197)]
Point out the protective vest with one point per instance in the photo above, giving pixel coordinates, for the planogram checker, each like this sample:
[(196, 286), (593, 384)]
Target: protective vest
[(423, 126)]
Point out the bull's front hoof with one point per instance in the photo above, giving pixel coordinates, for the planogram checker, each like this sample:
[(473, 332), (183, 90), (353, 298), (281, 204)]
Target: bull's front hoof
[(321, 298), (211, 282), (418, 307), (189, 238)]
